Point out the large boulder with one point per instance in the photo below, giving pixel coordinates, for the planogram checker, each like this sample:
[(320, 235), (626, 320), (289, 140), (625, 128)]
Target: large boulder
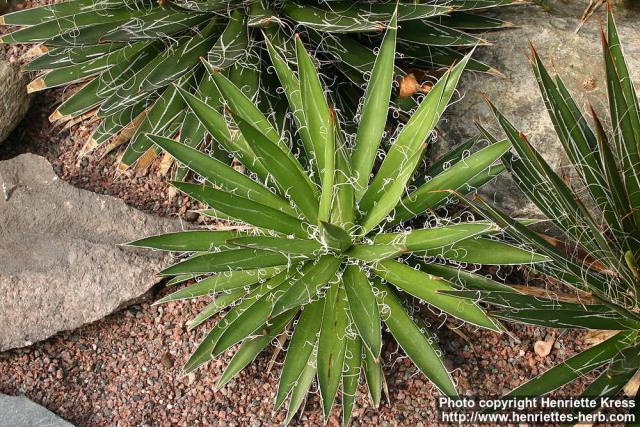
[(18, 411), (61, 262), (576, 57), (14, 100)]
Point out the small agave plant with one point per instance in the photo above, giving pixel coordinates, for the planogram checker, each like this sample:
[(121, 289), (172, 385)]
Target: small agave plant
[(323, 250), (600, 256), (132, 57)]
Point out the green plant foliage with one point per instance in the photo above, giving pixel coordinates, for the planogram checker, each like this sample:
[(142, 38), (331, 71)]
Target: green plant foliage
[(133, 57), (320, 253), (602, 250)]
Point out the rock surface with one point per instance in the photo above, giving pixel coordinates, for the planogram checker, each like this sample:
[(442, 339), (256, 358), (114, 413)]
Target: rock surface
[(18, 411), (577, 58), (60, 262), (14, 100)]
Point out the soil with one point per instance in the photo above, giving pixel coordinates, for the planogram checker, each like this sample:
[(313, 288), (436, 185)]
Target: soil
[(123, 370)]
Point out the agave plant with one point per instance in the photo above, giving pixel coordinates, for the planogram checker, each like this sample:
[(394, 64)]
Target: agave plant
[(132, 57), (323, 249), (599, 219)]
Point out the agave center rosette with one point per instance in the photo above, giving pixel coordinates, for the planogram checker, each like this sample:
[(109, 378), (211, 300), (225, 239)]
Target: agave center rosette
[(130, 57), (322, 249)]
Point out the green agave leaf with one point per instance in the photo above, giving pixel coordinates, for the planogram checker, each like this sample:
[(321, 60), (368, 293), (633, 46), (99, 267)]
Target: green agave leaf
[(430, 194), (363, 308), (79, 71), (204, 352), (335, 237), (431, 34), (236, 259), (180, 279), (462, 278), (552, 195), (320, 122), (342, 212), (413, 135), (428, 288), (515, 300), (217, 127), (42, 14), (332, 346), (327, 20), (155, 25), (46, 30), (421, 349), (232, 44), (301, 388), (489, 252), (625, 113), (307, 285), (578, 140), (161, 71), (243, 107), (393, 193), (390, 245), (374, 376), (471, 21), (374, 111), (245, 210), (287, 172), (575, 367), (291, 87), (350, 377), (221, 174), (224, 281), (278, 244), (374, 253), (251, 347), (299, 353), (572, 319), (436, 237), (100, 88), (193, 132), (612, 380), (188, 241), (219, 303)]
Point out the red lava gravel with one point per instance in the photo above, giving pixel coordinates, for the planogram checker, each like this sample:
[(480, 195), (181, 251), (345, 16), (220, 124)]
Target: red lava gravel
[(123, 370)]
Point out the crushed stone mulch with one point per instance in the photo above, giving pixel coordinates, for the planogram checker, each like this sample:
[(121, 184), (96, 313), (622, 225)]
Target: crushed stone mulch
[(124, 370)]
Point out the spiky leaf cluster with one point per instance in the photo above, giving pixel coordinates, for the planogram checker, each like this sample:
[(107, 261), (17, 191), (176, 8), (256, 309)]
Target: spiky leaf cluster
[(599, 217), (323, 249), (132, 56)]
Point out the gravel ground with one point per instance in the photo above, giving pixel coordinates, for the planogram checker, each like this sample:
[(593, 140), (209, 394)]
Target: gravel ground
[(123, 370)]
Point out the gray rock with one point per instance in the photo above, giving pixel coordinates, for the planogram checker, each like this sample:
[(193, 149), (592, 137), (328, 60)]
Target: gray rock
[(18, 411), (60, 260), (577, 58), (14, 100)]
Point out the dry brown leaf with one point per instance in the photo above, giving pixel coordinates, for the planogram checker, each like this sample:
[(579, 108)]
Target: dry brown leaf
[(596, 336), (543, 348), (578, 298), (409, 86), (146, 159), (631, 389), (165, 164), (126, 133)]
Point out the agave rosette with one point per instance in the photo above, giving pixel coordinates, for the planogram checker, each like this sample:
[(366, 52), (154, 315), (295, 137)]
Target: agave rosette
[(599, 218), (131, 57), (323, 249)]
